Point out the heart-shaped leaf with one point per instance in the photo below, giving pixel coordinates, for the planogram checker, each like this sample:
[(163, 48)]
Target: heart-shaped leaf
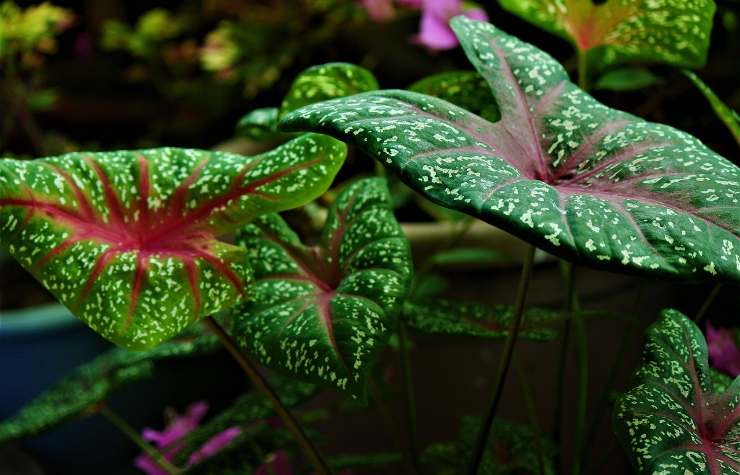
[(127, 240), (616, 31), (449, 317), (466, 89), (81, 393), (324, 312), (672, 422), (585, 182), (728, 116)]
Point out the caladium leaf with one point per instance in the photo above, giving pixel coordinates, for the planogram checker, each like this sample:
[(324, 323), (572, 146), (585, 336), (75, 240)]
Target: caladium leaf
[(449, 317), (672, 422), (728, 116), (127, 240), (627, 79), (259, 124), (512, 449), (466, 89), (324, 312), (583, 181), (616, 31), (327, 81), (88, 387)]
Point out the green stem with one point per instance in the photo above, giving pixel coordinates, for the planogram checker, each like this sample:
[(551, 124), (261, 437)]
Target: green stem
[(391, 421), (582, 399), (582, 70), (408, 390), (707, 303), (280, 409), (532, 414), (569, 277), (134, 436), (504, 363)]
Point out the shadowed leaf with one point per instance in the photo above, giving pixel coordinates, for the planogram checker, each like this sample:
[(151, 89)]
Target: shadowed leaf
[(583, 181), (127, 240), (728, 116), (259, 124), (466, 89), (627, 79), (673, 421)]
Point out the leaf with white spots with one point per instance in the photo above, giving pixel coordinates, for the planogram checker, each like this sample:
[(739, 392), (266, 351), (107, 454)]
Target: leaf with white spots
[(325, 312), (675, 32), (128, 240), (727, 115), (466, 89), (89, 386), (583, 181), (259, 124), (673, 421)]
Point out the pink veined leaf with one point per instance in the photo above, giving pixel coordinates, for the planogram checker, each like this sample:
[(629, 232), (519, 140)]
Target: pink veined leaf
[(675, 420), (128, 240)]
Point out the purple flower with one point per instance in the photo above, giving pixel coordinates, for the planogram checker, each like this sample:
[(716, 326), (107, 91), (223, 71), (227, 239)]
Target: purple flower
[(435, 32), (170, 440), (723, 351)]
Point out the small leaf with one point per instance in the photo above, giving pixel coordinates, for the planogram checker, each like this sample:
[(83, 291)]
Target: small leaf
[(90, 385), (728, 116), (259, 124), (466, 89), (127, 240), (672, 421), (511, 450), (627, 79), (449, 317), (324, 312), (580, 180), (617, 31), (327, 81)]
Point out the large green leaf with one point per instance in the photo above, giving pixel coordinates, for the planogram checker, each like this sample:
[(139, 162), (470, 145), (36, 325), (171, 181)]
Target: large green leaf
[(727, 115), (581, 180), (672, 422), (466, 89), (88, 387), (669, 31), (324, 312), (513, 449), (127, 240)]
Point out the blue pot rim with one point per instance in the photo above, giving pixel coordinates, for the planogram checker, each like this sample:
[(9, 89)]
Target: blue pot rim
[(36, 320)]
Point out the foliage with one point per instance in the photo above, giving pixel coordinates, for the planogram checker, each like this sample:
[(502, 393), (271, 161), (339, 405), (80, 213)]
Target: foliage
[(728, 116), (32, 30), (581, 180), (120, 236), (672, 421)]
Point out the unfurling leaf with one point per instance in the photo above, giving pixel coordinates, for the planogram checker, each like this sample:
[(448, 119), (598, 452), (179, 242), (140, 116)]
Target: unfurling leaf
[(89, 386), (728, 116), (324, 312), (581, 180), (667, 31), (127, 240), (449, 317), (673, 421)]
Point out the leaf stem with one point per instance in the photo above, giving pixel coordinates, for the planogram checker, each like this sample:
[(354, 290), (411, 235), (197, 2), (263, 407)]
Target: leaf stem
[(707, 303), (582, 400), (504, 363), (392, 422), (569, 277), (261, 383), (532, 414), (582, 70), (119, 423), (408, 390)]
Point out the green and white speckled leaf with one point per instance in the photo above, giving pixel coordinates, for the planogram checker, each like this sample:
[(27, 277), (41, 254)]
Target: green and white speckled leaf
[(324, 312), (259, 124), (667, 31), (327, 81), (449, 317), (81, 393), (728, 116), (672, 422), (583, 181), (127, 240), (511, 451), (466, 89)]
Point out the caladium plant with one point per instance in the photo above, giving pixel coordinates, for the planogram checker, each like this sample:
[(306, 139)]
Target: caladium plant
[(324, 312), (128, 240), (672, 421), (561, 170), (615, 31)]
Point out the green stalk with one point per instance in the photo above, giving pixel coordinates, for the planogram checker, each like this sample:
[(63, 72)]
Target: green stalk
[(707, 303), (582, 70), (123, 426), (532, 414), (408, 391), (280, 409), (392, 423), (582, 400), (568, 275), (504, 363)]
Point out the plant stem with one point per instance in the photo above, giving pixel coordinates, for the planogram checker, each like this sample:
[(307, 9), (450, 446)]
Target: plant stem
[(408, 390), (707, 303), (504, 363), (134, 436), (261, 383), (532, 413), (582, 70), (391, 421), (582, 400), (569, 277)]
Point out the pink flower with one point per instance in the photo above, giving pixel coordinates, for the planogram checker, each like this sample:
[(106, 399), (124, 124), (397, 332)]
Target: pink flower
[(380, 10), (169, 441), (723, 351), (435, 32)]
